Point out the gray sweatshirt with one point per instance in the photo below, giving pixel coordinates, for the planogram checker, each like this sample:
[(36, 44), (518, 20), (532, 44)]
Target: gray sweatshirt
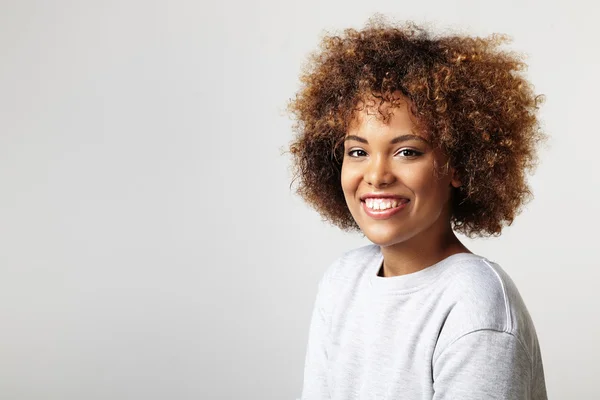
[(455, 330)]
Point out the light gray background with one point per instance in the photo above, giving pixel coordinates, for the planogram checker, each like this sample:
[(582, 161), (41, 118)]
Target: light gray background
[(150, 246)]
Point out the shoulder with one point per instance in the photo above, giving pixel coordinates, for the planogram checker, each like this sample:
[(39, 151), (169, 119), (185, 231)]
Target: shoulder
[(480, 291), (343, 273), (484, 297), (351, 265)]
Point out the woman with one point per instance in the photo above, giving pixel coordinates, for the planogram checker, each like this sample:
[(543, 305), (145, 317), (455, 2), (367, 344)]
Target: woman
[(409, 138)]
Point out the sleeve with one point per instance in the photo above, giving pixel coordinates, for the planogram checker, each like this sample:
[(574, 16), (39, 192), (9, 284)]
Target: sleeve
[(315, 385), (484, 364)]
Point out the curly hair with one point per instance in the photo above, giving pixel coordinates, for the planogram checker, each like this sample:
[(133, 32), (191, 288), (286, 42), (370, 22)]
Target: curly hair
[(469, 96)]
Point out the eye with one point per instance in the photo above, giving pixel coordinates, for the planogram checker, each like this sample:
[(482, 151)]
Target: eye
[(351, 152), (409, 153)]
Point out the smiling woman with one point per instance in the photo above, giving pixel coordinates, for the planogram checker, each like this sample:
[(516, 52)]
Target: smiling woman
[(410, 137)]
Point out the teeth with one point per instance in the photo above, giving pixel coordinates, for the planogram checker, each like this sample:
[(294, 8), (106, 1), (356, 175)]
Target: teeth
[(381, 204)]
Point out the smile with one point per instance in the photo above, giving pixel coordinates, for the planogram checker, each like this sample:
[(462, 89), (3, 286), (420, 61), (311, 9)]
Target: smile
[(383, 208)]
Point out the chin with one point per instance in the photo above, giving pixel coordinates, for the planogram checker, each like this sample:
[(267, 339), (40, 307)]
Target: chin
[(385, 237)]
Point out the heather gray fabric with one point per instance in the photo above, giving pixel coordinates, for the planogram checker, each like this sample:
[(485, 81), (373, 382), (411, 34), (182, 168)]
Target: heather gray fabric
[(455, 330)]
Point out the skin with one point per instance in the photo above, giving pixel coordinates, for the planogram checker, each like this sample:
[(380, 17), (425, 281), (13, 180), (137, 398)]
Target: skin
[(420, 235)]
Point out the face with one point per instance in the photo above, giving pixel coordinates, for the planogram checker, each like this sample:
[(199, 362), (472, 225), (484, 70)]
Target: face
[(394, 182)]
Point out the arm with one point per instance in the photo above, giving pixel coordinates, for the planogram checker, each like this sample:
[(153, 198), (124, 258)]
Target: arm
[(484, 364), (316, 367)]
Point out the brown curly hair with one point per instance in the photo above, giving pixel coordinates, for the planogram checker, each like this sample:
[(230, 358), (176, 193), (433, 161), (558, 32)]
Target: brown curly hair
[(467, 94)]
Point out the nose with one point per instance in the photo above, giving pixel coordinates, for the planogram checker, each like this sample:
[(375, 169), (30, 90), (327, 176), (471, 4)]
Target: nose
[(378, 172)]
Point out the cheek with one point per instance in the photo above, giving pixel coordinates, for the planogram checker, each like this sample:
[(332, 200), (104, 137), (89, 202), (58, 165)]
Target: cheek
[(432, 189), (349, 180), (417, 178), (424, 184)]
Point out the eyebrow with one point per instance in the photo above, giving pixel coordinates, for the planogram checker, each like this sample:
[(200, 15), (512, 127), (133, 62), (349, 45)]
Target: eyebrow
[(397, 139)]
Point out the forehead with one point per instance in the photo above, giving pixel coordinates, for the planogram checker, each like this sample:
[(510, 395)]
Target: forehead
[(371, 116)]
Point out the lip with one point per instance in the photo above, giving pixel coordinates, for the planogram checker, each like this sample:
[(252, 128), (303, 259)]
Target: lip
[(385, 214)]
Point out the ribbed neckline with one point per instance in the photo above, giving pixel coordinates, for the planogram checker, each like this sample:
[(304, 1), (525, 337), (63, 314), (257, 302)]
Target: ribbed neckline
[(415, 281)]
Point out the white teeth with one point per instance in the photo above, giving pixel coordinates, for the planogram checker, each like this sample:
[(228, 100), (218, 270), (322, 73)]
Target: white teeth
[(381, 204)]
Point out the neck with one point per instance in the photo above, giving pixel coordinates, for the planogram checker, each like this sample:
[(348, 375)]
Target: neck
[(420, 252)]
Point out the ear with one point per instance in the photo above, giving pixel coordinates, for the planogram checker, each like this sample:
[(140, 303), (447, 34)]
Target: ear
[(455, 182)]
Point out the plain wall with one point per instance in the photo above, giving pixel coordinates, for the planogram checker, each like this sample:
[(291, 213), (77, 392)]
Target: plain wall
[(150, 244)]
